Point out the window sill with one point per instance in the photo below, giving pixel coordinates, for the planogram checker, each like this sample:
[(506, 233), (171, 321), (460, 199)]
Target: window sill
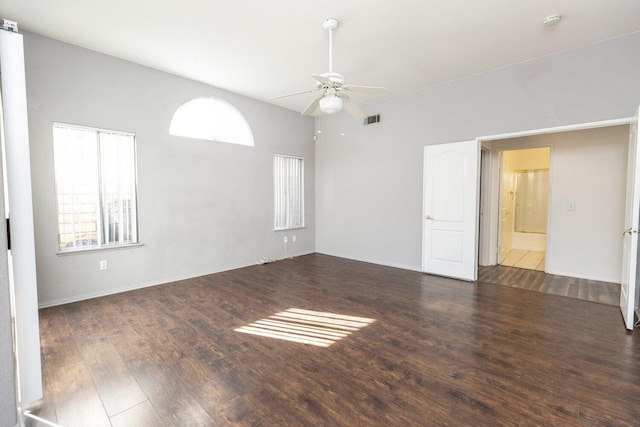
[(289, 229), (99, 249)]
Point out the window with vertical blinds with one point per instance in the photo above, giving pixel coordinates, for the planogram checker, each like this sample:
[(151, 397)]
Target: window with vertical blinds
[(95, 173), (288, 173)]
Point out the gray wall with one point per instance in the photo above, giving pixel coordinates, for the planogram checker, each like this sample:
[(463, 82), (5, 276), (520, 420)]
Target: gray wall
[(369, 181), (203, 206)]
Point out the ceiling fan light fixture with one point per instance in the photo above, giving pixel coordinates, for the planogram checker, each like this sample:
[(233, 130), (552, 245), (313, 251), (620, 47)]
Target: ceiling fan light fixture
[(331, 104)]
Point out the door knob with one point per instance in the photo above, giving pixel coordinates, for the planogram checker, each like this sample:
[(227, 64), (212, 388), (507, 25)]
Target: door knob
[(429, 217), (630, 231)]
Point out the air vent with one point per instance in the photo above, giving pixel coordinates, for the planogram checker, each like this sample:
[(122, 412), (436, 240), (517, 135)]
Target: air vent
[(372, 119)]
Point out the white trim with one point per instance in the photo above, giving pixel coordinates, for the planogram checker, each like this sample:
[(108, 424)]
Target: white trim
[(583, 276), (484, 203), (105, 248), (289, 156), (558, 129), (370, 261), (92, 129)]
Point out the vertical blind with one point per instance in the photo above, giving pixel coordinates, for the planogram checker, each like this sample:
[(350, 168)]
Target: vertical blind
[(96, 186), (117, 170), (288, 173)]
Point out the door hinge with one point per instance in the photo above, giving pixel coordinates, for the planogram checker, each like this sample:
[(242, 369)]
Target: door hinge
[(8, 234)]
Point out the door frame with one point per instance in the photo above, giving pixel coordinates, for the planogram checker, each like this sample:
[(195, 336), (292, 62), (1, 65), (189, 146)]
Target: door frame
[(22, 267), (628, 305), (498, 157), (488, 241)]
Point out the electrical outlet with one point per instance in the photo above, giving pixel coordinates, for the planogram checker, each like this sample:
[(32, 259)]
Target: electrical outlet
[(293, 239), (286, 239), (103, 264)]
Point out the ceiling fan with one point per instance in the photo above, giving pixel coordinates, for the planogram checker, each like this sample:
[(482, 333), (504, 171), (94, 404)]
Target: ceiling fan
[(333, 92)]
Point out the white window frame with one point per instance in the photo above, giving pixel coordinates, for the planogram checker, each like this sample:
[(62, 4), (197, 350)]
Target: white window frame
[(288, 183), (101, 223)]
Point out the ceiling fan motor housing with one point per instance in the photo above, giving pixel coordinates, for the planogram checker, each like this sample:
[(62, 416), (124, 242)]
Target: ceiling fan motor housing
[(336, 78)]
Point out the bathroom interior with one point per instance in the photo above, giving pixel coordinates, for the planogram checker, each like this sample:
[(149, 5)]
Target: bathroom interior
[(524, 194)]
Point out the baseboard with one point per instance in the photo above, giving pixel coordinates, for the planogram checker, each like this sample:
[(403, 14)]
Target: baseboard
[(31, 406), (386, 264), (584, 276), (133, 287)]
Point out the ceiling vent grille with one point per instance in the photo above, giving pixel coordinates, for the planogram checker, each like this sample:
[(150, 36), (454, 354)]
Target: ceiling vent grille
[(372, 119)]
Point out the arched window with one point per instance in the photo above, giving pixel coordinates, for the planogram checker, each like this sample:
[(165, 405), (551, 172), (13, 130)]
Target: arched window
[(212, 119)]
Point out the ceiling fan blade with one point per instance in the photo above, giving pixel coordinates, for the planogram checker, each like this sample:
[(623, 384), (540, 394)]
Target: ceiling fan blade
[(292, 94), (368, 89), (312, 107), (352, 108), (322, 79)]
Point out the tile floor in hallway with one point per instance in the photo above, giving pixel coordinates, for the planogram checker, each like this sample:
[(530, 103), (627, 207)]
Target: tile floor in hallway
[(530, 260)]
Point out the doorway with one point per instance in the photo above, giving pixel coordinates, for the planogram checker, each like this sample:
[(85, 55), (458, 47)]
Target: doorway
[(587, 181), (524, 200)]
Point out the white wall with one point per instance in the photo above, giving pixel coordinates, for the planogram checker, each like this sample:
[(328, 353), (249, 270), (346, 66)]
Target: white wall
[(369, 181), (203, 206)]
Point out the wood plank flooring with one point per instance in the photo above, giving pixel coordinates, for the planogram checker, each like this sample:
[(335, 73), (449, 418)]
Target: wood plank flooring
[(440, 352), (584, 289)]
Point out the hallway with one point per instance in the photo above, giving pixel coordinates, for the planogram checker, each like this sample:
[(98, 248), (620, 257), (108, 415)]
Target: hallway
[(538, 281), (531, 260)]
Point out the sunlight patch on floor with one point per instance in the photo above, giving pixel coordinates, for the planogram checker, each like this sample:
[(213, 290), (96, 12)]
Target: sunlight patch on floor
[(307, 327)]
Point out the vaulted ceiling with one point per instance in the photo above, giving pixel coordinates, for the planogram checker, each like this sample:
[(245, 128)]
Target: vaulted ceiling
[(263, 48)]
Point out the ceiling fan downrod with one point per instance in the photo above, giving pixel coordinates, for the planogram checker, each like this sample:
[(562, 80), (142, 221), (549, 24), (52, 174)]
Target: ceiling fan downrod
[(331, 25)]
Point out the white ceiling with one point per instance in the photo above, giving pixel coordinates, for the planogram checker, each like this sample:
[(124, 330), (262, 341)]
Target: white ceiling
[(264, 48)]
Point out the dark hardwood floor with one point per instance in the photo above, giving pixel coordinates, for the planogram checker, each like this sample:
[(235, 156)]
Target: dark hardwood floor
[(438, 352), (537, 281)]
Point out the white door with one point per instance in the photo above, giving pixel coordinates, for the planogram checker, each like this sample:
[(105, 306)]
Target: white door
[(505, 226), (630, 234), (450, 220), (18, 182)]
